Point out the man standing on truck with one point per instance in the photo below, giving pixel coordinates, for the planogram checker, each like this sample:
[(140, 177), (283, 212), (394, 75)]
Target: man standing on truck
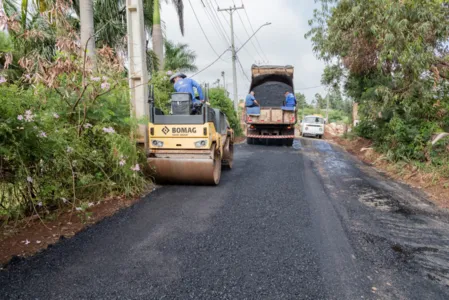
[(251, 101), (290, 100)]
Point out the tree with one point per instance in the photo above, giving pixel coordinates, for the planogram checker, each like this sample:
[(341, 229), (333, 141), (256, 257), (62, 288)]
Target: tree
[(320, 101), (158, 40), (179, 58), (392, 58), (87, 29), (219, 100)]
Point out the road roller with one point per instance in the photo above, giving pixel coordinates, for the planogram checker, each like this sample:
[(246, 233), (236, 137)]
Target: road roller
[(191, 144)]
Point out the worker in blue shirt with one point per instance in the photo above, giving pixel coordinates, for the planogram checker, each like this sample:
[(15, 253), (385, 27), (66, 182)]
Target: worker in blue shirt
[(186, 85), (250, 101), (290, 100)]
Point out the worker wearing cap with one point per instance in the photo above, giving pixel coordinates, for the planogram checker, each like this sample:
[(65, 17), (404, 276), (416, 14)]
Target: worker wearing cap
[(290, 100), (186, 85)]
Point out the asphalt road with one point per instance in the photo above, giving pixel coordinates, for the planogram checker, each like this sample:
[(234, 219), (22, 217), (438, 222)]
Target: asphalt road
[(304, 222)]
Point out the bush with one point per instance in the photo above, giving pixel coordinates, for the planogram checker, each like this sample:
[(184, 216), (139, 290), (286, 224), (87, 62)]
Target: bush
[(219, 100), (53, 152)]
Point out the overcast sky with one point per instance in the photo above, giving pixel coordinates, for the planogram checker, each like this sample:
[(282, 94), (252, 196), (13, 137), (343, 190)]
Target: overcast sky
[(281, 43)]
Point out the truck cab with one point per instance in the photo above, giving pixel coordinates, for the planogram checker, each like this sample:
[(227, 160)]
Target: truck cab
[(313, 125)]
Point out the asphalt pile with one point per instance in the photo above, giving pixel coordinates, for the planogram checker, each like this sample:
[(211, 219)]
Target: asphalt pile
[(271, 93)]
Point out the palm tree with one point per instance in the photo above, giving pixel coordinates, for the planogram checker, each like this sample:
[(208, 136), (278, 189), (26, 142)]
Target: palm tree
[(179, 58), (158, 40), (87, 29)]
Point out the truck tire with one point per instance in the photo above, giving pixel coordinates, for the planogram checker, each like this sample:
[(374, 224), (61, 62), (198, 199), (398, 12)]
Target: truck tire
[(288, 142)]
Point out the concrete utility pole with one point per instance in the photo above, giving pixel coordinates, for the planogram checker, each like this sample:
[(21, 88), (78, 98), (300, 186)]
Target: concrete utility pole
[(231, 10), (138, 73), (224, 82)]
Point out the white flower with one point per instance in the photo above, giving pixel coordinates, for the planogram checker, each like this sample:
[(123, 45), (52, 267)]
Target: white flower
[(122, 162), (136, 168), (29, 179), (42, 134), (2, 79), (39, 204), (87, 125), (56, 116), (29, 117), (108, 130), (20, 117), (27, 242), (69, 149), (78, 209), (105, 86)]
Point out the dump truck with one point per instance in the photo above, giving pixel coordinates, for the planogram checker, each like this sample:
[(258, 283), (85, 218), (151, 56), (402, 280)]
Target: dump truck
[(272, 120), (186, 148)]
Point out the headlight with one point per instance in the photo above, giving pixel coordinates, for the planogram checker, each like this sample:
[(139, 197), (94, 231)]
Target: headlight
[(201, 143), (157, 143)]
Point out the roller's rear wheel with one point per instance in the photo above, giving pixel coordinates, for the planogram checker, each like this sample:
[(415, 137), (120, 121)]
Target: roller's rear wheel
[(217, 168), (228, 156)]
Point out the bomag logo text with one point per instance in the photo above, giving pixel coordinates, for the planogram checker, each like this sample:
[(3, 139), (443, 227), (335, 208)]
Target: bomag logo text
[(178, 130)]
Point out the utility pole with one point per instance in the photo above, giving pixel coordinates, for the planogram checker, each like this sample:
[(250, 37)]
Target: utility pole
[(224, 82), (138, 74), (327, 108), (231, 10)]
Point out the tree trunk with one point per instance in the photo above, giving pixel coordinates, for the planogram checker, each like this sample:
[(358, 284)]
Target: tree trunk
[(87, 30), (158, 41), (3, 24)]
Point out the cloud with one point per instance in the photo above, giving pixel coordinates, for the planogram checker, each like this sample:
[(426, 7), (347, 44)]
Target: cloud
[(282, 43)]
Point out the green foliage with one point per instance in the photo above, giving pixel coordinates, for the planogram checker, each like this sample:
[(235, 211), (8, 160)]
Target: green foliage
[(178, 57), (391, 57), (52, 151), (218, 100), (162, 90)]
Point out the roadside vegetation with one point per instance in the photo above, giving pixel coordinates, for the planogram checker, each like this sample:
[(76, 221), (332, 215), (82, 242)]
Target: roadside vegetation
[(391, 58), (66, 135)]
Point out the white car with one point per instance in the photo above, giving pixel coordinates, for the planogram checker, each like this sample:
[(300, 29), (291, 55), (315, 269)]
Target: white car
[(312, 126)]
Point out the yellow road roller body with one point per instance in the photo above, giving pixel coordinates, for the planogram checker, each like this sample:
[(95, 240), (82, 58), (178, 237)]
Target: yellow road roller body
[(190, 149)]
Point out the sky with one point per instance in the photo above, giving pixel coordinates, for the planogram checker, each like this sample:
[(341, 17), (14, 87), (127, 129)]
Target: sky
[(281, 43)]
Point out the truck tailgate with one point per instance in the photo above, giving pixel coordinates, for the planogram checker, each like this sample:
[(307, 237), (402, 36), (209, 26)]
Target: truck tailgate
[(272, 115)]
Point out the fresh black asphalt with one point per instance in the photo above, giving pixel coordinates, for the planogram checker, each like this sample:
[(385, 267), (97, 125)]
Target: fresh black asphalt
[(301, 222)]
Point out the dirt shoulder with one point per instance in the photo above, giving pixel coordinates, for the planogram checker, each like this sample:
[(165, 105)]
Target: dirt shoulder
[(31, 235), (436, 187)]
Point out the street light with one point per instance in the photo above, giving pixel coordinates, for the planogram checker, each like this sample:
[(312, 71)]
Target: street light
[(266, 24)]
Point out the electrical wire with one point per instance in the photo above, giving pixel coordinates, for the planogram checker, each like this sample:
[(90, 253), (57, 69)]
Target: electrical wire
[(249, 36), (309, 88), (217, 18), (251, 25), (214, 22), (243, 71), (212, 63), (199, 23)]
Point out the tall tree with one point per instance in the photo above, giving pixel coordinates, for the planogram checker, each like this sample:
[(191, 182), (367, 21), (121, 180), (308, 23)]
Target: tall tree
[(179, 58), (158, 40), (87, 29)]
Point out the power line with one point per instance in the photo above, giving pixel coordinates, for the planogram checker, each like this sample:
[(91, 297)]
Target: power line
[(238, 39), (210, 44), (204, 69), (216, 27), (257, 40), (217, 18), (243, 71), (244, 27), (309, 88)]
